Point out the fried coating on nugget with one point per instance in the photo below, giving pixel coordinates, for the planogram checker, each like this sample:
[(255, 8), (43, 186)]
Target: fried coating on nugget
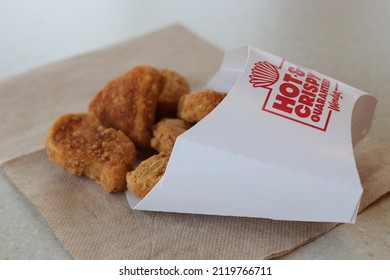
[(195, 106), (147, 174), (165, 133), (175, 86), (129, 103), (82, 146)]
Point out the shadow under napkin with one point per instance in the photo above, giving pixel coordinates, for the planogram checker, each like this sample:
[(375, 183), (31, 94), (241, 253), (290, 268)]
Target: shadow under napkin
[(95, 225)]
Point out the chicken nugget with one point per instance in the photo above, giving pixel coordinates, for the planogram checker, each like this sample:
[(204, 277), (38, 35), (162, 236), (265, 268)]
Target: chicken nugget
[(195, 106), (82, 146), (165, 133), (175, 86), (129, 103), (147, 174)]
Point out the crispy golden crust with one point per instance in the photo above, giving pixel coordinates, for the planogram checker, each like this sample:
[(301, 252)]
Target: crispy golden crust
[(175, 86), (165, 133), (142, 179), (129, 103), (82, 146), (195, 106)]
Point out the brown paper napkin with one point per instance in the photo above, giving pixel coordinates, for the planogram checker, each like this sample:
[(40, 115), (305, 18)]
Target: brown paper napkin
[(95, 225)]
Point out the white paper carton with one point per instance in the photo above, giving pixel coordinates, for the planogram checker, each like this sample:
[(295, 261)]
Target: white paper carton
[(279, 146)]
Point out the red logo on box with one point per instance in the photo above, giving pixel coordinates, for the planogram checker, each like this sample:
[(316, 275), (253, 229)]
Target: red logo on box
[(296, 93)]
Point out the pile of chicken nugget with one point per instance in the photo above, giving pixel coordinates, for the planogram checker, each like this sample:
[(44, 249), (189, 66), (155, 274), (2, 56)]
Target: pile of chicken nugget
[(144, 110)]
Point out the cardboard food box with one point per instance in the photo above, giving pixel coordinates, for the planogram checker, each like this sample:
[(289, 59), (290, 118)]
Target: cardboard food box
[(279, 146)]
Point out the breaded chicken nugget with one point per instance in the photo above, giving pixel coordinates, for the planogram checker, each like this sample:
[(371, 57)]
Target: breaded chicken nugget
[(82, 146), (165, 133), (129, 103), (175, 86), (195, 106), (142, 179)]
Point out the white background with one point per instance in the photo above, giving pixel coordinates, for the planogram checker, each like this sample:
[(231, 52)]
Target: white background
[(38, 32)]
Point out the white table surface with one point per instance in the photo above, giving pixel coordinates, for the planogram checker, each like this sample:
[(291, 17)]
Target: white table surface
[(348, 40)]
